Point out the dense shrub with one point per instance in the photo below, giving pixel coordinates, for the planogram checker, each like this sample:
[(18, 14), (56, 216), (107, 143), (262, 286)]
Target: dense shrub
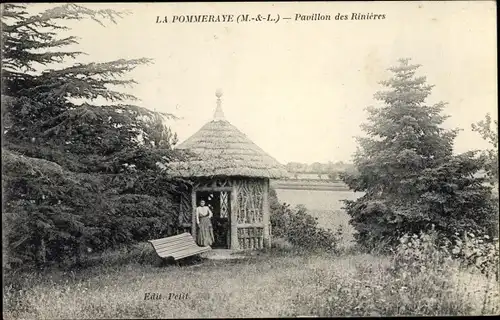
[(433, 249), (448, 197), (479, 252), (299, 228), (422, 278), (52, 215)]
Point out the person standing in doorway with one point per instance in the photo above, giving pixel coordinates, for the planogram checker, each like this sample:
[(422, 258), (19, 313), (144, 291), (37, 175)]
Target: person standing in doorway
[(205, 235)]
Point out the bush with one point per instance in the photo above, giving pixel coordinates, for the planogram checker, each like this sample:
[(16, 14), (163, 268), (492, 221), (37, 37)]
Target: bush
[(448, 196), (422, 279), (299, 228), (433, 249), (54, 216), (479, 252)]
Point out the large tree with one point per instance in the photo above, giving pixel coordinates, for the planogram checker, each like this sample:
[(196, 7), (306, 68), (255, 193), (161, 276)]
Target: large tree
[(406, 167), (77, 174), (43, 111)]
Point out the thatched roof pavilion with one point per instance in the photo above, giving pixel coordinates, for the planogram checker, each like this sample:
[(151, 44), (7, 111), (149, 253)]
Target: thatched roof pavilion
[(223, 150), (232, 174)]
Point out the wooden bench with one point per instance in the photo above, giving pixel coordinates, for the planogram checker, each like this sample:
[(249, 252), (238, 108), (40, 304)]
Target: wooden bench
[(177, 247)]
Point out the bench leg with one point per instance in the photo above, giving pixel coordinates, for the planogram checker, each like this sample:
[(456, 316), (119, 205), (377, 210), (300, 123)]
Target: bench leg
[(158, 262)]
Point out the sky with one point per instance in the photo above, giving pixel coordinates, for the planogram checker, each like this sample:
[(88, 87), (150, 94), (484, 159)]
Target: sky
[(299, 89)]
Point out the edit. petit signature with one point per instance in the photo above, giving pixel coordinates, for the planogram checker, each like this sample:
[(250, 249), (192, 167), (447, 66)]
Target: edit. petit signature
[(168, 296)]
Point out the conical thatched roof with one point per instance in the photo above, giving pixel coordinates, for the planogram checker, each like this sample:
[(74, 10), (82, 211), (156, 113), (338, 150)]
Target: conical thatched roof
[(222, 150)]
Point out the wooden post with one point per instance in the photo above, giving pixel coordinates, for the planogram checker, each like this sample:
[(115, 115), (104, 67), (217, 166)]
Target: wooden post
[(193, 218), (265, 215), (234, 218)]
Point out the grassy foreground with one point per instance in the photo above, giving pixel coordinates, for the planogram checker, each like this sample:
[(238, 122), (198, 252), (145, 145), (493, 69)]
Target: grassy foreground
[(271, 284)]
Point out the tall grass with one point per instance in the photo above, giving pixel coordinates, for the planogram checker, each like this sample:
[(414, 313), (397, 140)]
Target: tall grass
[(261, 286), (415, 280), (421, 278)]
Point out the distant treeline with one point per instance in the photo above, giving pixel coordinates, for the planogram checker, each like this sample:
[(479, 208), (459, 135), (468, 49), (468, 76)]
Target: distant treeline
[(316, 167)]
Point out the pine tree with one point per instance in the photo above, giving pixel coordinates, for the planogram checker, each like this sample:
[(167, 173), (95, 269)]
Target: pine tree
[(406, 168), (43, 111), (77, 175)]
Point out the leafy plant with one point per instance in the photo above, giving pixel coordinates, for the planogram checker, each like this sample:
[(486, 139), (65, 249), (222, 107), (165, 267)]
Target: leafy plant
[(301, 229), (422, 278), (488, 129)]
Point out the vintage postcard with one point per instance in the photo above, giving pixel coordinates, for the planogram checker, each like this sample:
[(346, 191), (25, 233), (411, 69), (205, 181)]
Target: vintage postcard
[(249, 159)]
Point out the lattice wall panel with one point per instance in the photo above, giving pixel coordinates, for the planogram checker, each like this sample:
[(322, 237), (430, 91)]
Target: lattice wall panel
[(213, 183), (250, 195), (185, 210), (251, 238), (224, 204)]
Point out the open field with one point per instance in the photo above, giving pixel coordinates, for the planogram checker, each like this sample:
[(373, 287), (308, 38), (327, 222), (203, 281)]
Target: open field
[(309, 185), (317, 199), (326, 205), (271, 284)]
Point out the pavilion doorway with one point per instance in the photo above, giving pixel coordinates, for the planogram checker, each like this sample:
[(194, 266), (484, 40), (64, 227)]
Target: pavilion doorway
[(219, 204)]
